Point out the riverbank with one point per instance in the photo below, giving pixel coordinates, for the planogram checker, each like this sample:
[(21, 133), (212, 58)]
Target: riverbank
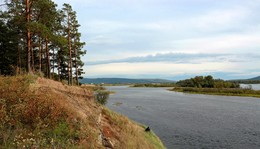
[(189, 121), (41, 113), (219, 91)]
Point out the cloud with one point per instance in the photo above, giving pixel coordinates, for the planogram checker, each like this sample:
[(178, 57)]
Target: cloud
[(175, 71), (181, 58), (183, 37), (221, 19), (157, 69)]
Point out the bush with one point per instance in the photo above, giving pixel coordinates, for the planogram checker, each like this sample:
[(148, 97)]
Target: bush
[(101, 96)]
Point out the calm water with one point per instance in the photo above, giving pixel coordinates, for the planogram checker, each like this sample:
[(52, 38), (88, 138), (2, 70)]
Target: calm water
[(254, 86), (185, 121)]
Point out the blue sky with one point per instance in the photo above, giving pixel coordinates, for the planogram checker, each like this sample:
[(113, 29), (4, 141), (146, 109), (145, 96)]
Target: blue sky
[(171, 39)]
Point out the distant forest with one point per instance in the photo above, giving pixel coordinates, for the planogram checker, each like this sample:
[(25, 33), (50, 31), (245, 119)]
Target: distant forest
[(207, 82), (246, 81), (36, 37)]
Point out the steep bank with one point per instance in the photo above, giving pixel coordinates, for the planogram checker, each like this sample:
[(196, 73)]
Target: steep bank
[(41, 113)]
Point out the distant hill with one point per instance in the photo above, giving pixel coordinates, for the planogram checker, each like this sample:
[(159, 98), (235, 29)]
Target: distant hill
[(255, 78), (123, 81)]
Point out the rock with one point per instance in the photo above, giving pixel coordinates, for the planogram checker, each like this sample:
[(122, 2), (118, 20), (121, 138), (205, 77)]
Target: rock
[(107, 143), (148, 129)]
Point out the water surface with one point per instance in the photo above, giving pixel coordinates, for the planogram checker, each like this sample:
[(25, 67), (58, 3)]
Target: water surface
[(187, 121), (253, 86)]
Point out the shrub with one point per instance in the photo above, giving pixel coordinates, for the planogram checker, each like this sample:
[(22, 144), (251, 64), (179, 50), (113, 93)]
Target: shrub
[(101, 96)]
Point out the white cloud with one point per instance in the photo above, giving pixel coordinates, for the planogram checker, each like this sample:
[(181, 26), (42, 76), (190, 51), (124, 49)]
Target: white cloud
[(221, 19), (185, 58), (236, 43), (122, 30), (128, 69)]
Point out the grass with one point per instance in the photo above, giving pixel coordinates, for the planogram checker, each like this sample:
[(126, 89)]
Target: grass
[(219, 91), (129, 129), (41, 113), (33, 120), (153, 139)]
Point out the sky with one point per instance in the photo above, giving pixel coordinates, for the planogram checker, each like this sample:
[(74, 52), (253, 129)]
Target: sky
[(169, 39)]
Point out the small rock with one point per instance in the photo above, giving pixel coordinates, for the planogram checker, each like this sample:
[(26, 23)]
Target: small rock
[(148, 129), (108, 143)]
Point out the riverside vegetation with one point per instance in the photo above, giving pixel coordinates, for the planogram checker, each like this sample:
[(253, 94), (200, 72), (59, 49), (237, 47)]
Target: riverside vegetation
[(209, 85), (100, 93), (41, 113)]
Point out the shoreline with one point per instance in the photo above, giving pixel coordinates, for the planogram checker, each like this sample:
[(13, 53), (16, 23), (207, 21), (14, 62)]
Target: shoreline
[(219, 91)]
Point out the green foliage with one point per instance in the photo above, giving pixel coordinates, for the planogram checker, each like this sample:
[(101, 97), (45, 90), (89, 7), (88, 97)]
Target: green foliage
[(8, 49), (219, 91), (101, 96), (206, 82), (246, 81), (51, 32)]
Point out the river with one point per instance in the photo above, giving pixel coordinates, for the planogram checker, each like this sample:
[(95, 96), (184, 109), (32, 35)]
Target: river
[(188, 121), (252, 86)]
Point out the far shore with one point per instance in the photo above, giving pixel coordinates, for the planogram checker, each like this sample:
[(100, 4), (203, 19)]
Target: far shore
[(219, 91)]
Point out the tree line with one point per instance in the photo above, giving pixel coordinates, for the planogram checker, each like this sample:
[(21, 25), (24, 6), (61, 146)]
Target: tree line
[(246, 81), (206, 82), (36, 37)]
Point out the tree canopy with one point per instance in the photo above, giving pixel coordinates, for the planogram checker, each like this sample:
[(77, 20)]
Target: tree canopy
[(36, 37), (206, 82)]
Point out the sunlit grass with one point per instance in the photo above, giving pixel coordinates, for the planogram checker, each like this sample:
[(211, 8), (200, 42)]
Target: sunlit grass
[(41, 113), (219, 91)]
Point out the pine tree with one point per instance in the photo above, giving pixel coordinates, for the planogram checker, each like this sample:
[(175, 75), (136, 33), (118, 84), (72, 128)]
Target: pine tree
[(8, 43), (70, 16), (46, 39)]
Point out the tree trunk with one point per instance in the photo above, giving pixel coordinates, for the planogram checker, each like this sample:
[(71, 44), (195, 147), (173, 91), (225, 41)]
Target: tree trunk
[(53, 63), (69, 46), (77, 73), (28, 37), (40, 55), (76, 64), (47, 59), (19, 63), (32, 60), (59, 66)]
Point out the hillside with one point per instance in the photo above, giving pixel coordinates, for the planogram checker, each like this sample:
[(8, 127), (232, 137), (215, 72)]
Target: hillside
[(255, 78), (41, 113), (122, 81)]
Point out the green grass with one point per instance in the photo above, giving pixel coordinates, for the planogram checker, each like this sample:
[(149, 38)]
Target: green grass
[(153, 139), (133, 130), (219, 91)]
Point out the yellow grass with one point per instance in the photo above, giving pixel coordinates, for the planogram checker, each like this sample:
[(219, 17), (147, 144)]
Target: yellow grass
[(41, 113)]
